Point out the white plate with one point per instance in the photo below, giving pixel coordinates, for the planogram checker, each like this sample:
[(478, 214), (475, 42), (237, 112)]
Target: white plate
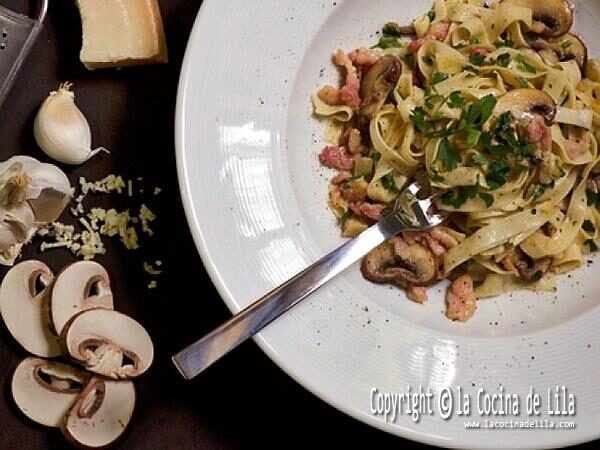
[(255, 198)]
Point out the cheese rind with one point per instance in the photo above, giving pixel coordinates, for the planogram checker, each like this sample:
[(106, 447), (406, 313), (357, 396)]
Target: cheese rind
[(121, 33)]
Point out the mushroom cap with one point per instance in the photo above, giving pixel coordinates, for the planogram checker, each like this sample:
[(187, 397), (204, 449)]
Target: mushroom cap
[(397, 262), (556, 15), (24, 306), (78, 287), (104, 340), (377, 84), (45, 390), (570, 47), (526, 102), (101, 413)]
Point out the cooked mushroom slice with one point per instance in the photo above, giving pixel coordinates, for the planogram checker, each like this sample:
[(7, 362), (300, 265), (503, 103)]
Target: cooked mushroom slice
[(592, 70), (554, 17), (399, 263), (24, 305), (533, 270), (523, 103), (108, 343), (570, 47), (376, 86), (45, 390), (80, 286), (101, 413)]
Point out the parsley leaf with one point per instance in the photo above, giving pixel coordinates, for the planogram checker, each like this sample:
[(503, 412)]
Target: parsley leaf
[(498, 175), (438, 77), (588, 226), (523, 82), (477, 60), (448, 156), (538, 191), (507, 43), (487, 198), (388, 41), (478, 113), (480, 160), (458, 198), (388, 182), (523, 65), (419, 118), (455, 100), (503, 59)]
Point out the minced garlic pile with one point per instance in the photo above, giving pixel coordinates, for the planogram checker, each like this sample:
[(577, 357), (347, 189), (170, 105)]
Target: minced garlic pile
[(87, 242)]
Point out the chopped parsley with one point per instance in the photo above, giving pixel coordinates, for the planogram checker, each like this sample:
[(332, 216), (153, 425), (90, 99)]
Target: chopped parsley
[(523, 65), (487, 198), (388, 41), (375, 156), (538, 191), (458, 198), (477, 60), (347, 214), (523, 82), (438, 77), (507, 43), (588, 226), (431, 15), (565, 44), (498, 175), (419, 118), (503, 59), (448, 156), (455, 100), (388, 182), (480, 160), (475, 40)]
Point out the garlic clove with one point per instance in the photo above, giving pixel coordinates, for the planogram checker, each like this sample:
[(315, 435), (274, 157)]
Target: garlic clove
[(61, 130)]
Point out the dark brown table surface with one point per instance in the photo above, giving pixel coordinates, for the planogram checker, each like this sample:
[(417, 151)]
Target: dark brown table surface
[(244, 401)]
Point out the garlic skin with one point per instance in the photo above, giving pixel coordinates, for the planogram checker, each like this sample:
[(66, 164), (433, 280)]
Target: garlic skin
[(31, 194), (61, 130)]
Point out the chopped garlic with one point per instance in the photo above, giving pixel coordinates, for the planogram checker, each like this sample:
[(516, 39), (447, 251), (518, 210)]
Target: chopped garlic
[(152, 284), (157, 190), (151, 270), (146, 216)]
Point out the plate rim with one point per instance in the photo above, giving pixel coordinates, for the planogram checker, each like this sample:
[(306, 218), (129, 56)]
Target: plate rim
[(227, 297)]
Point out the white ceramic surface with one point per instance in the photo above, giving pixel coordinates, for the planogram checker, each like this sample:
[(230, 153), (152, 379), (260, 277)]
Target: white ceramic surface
[(255, 198)]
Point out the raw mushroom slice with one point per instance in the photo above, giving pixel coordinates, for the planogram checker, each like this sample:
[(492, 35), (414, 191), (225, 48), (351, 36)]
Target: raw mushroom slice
[(24, 305), (45, 390), (101, 413), (108, 343), (524, 103), (78, 287)]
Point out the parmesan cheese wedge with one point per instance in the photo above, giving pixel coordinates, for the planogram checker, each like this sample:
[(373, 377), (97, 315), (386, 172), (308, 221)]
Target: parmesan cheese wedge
[(121, 33)]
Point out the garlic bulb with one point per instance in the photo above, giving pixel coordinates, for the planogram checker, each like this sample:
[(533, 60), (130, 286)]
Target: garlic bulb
[(31, 194), (61, 130)]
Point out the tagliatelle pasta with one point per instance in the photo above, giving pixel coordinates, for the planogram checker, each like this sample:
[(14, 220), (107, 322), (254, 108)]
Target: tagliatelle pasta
[(496, 108)]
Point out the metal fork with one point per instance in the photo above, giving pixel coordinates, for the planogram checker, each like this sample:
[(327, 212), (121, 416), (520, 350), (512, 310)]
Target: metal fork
[(409, 213)]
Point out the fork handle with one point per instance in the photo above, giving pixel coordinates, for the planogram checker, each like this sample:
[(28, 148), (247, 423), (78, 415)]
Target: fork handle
[(200, 355)]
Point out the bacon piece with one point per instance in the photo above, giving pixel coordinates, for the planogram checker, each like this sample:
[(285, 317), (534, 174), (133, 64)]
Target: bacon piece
[(417, 294), (341, 177), (436, 32), (369, 210), (477, 50), (336, 157), (330, 95), (364, 58), (461, 299), (539, 133), (349, 93), (437, 239)]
